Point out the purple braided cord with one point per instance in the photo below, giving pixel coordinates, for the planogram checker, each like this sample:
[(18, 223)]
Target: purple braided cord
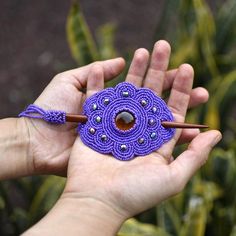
[(50, 116)]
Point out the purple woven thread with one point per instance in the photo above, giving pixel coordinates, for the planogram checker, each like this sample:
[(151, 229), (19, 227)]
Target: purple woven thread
[(51, 116), (147, 135)]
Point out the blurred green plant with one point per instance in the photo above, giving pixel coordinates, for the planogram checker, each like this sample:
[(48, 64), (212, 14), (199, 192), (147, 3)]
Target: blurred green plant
[(205, 39), (24, 202)]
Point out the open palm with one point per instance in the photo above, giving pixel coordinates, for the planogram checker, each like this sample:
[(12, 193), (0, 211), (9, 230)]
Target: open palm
[(133, 186), (50, 145)]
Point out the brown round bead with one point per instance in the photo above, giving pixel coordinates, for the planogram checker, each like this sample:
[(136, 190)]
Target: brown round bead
[(124, 120)]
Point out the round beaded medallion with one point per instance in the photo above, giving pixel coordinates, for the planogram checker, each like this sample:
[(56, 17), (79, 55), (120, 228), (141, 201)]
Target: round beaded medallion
[(125, 121)]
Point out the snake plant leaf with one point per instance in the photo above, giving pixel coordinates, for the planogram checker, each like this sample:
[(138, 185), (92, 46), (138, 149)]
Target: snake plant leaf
[(195, 219), (106, 41), (179, 202), (206, 31), (222, 169), (226, 86), (166, 15), (167, 217), (223, 92), (208, 190), (2, 203), (46, 196), (212, 117), (21, 218), (233, 232), (186, 51), (81, 42), (225, 21), (132, 227)]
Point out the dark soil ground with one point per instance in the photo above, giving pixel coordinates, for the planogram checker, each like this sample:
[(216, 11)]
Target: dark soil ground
[(33, 46)]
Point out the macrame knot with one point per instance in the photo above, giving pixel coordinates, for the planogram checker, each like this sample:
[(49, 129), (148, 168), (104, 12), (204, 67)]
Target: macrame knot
[(55, 117), (51, 116)]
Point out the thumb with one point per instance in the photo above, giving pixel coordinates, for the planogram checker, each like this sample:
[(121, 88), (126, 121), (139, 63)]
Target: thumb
[(111, 68), (186, 164)]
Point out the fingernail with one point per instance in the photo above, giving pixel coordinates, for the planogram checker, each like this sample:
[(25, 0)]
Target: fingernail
[(217, 139)]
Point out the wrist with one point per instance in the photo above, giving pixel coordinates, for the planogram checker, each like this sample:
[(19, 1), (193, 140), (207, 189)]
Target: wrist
[(14, 147), (98, 216)]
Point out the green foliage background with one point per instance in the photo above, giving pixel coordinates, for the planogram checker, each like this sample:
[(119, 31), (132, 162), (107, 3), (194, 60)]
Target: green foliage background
[(207, 206)]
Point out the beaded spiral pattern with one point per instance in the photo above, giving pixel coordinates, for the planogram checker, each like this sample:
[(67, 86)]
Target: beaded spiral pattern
[(147, 134)]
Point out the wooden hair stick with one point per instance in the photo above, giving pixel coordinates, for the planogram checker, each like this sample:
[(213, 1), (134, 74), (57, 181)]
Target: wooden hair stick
[(166, 124)]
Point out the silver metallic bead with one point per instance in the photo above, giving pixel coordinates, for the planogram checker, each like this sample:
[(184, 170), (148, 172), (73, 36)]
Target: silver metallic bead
[(154, 109), (123, 147), (125, 93), (106, 101), (151, 122), (104, 137), (98, 119), (143, 102), (94, 106), (92, 131), (153, 135), (141, 140)]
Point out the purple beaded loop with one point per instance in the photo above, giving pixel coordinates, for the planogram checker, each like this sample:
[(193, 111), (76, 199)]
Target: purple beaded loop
[(147, 134), (51, 116)]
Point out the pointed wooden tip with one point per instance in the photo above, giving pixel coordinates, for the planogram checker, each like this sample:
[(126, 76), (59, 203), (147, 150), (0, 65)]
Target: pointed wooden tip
[(166, 124), (169, 124)]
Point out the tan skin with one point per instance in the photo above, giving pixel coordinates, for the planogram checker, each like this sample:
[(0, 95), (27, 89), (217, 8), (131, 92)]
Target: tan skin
[(102, 192), (50, 146), (157, 169)]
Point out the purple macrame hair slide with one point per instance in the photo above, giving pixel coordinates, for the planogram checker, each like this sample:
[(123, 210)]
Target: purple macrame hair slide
[(51, 116), (124, 121), (140, 112)]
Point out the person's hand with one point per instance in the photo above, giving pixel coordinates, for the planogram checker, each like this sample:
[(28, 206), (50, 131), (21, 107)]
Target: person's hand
[(101, 191), (122, 189), (50, 145)]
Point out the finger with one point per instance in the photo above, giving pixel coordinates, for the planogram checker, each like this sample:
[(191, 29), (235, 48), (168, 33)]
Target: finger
[(180, 92), (185, 165), (178, 104), (169, 79), (138, 67), (158, 66), (95, 80), (111, 68), (198, 96), (187, 135)]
